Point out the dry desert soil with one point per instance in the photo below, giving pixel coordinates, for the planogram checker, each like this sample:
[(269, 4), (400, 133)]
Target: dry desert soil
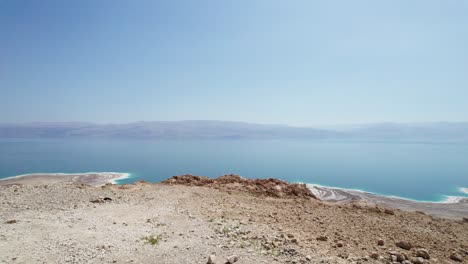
[(190, 219)]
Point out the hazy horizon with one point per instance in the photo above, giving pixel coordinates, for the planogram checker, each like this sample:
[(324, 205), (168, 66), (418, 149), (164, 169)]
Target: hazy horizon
[(299, 63), (331, 125)]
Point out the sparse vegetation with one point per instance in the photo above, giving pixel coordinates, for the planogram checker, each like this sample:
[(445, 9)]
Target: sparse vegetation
[(229, 229), (153, 239)]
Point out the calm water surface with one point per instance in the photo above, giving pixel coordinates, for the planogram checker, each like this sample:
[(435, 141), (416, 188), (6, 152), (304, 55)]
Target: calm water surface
[(421, 171)]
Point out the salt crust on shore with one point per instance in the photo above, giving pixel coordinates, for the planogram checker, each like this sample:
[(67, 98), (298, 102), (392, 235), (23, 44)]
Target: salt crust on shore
[(92, 178), (327, 193), (451, 207)]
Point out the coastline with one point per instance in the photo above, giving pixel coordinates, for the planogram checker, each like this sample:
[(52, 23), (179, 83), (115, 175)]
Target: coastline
[(454, 207), (464, 190), (90, 178), (189, 218), (448, 199)]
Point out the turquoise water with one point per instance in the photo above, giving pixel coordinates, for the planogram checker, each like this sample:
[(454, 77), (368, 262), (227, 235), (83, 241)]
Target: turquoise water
[(416, 170)]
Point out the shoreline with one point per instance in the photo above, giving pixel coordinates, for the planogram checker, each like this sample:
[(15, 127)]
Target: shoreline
[(92, 178), (452, 207), (190, 218), (315, 188), (448, 199)]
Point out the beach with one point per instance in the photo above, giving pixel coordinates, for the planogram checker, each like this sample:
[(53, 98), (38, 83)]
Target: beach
[(90, 178)]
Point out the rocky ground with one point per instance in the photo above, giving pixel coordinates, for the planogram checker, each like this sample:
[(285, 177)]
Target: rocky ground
[(198, 220)]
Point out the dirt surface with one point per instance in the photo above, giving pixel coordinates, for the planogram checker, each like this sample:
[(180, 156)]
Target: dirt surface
[(172, 223)]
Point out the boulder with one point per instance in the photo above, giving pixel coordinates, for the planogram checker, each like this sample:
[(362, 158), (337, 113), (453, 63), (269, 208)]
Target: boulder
[(456, 256), (322, 238), (417, 260), (211, 259), (404, 245), (232, 259), (397, 257), (380, 242), (422, 253)]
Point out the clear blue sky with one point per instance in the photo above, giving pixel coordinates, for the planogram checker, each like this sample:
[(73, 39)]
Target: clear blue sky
[(267, 61)]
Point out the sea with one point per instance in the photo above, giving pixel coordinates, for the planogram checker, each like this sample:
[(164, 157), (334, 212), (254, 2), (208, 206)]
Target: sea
[(417, 170)]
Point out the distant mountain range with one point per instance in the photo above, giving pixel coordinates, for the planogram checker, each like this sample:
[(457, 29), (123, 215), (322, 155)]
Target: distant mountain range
[(235, 130)]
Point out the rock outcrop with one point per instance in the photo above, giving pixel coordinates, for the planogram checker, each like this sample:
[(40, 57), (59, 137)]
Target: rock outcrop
[(231, 182)]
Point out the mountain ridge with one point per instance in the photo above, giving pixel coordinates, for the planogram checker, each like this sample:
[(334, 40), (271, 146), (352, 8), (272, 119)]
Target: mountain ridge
[(214, 129)]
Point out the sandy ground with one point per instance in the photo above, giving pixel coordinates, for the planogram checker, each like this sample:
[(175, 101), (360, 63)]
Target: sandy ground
[(75, 223)]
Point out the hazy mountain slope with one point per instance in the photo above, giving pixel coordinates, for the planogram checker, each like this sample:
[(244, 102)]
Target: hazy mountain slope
[(161, 130), (236, 130)]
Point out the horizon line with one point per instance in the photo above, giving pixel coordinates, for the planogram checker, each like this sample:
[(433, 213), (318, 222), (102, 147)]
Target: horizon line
[(236, 121)]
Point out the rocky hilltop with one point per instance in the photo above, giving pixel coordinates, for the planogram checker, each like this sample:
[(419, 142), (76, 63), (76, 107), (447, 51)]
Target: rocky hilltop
[(191, 219), (232, 182)]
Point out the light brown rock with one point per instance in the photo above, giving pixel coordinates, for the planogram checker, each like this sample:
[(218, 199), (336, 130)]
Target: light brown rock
[(232, 259)]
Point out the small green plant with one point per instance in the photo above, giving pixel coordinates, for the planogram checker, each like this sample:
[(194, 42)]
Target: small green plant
[(226, 229), (153, 240)]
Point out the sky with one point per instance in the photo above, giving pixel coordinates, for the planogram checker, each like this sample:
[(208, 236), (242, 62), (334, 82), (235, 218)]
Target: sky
[(265, 61)]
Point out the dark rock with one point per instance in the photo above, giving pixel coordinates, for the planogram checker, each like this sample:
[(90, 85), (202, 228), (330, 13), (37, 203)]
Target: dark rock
[(401, 257), (101, 200), (456, 256), (398, 257), (422, 253), (291, 252), (389, 211), (404, 245), (322, 238), (11, 222), (380, 242)]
